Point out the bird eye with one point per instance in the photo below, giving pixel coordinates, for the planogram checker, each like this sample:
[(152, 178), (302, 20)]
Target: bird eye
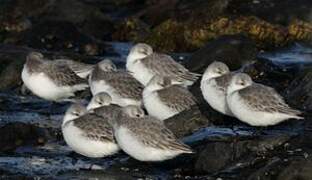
[(138, 115), (242, 83), (75, 113)]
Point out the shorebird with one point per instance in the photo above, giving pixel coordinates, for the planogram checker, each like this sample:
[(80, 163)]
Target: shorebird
[(88, 134), (144, 137), (257, 104), (162, 99), (120, 85), (143, 63), (50, 80), (214, 84)]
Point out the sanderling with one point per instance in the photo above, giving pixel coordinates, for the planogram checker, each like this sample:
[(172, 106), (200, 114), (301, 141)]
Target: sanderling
[(120, 85), (144, 137), (213, 85), (163, 99), (143, 63), (50, 80), (88, 134), (81, 69), (257, 104)]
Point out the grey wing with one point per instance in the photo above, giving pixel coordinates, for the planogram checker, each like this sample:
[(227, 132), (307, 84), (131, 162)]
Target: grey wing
[(264, 98), (126, 85), (223, 82), (95, 127), (177, 97), (154, 133), (63, 75), (162, 64), (75, 66)]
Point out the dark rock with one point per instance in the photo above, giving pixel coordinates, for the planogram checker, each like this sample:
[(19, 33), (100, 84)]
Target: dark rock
[(60, 36), (235, 51), (275, 11), (14, 135), (216, 156), (87, 17), (12, 59), (269, 171), (187, 122), (299, 92), (300, 169)]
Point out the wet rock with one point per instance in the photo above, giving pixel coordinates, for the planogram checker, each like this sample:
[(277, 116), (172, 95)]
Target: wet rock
[(235, 51), (216, 156), (12, 59), (187, 122), (298, 169), (299, 91), (269, 171), (17, 134)]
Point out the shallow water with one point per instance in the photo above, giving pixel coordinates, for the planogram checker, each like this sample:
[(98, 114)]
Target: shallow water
[(55, 159)]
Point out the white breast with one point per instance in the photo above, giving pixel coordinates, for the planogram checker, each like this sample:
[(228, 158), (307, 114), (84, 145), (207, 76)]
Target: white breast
[(135, 148), (155, 107), (42, 86), (140, 72), (87, 147), (214, 97)]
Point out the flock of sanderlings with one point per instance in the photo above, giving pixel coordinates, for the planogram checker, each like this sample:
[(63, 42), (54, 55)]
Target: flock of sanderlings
[(114, 119)]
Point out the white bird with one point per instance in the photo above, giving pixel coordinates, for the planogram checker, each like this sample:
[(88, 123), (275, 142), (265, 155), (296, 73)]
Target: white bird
[(144, 137), (50, 80), (88, 134), (257, 104), (214, 84), (144, 64)]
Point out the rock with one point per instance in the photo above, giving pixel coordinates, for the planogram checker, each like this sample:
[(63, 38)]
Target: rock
[(187, 122), (235, 51), (274, 11), (130, 29), (297, 170), (299, 92), (12, 59), (60, 36), (217, 156), (14, 135), (269, 171)]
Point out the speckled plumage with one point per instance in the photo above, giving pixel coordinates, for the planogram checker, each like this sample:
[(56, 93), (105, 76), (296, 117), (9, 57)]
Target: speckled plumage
[(257, 104), (50, 80), (177, 98), (153, 133), (81, 69), (95, 127), (162, 64), (122, 82), (264, 98)]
